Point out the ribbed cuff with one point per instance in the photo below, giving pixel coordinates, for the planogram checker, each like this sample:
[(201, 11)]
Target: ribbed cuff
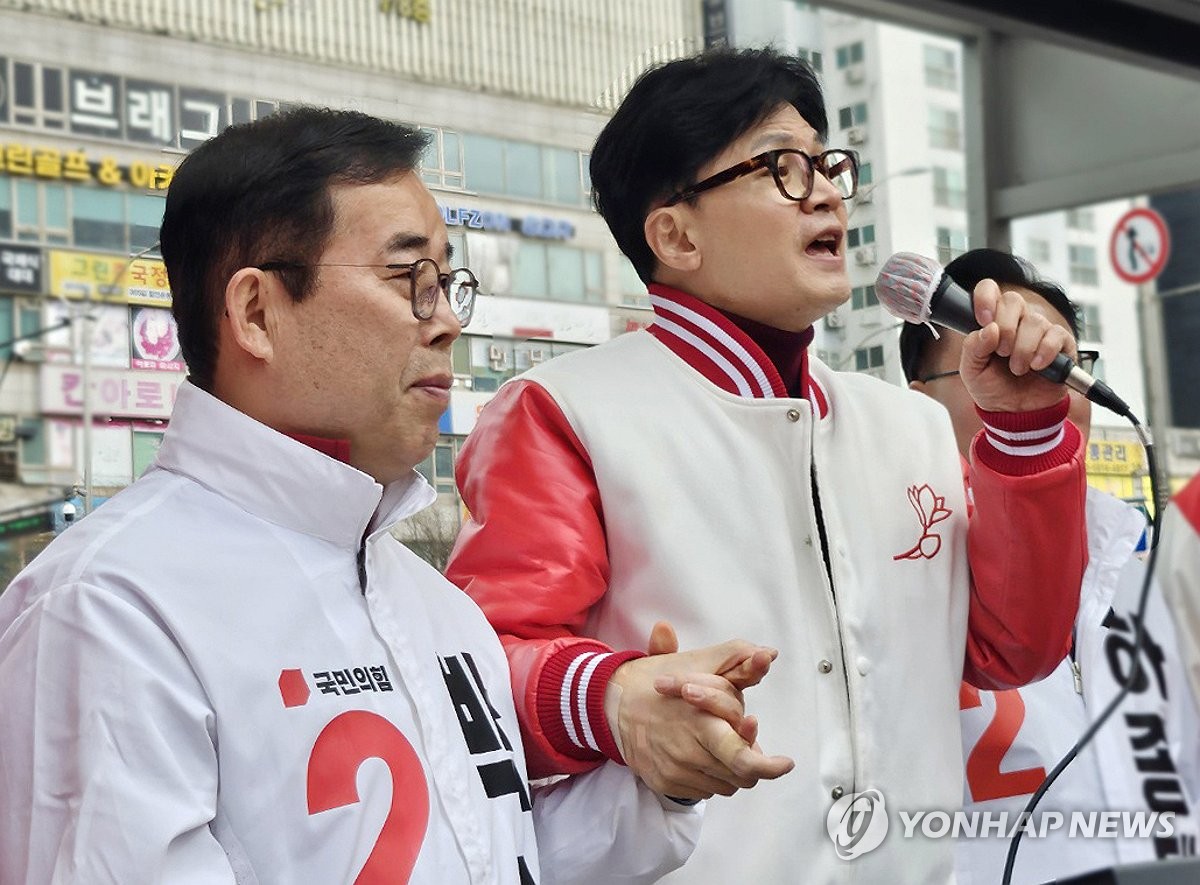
[(1024, 443), (570, 700)]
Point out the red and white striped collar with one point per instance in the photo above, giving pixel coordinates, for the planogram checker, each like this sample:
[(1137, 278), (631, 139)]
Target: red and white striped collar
[(714, 346)]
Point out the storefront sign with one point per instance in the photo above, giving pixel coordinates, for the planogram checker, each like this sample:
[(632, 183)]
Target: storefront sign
[(1109, 458), (535, 226), (53, 164), (525, 318), (155, 340), (109, 278), (117, 393), (21, 269)]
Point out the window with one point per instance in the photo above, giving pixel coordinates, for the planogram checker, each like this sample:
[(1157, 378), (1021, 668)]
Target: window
[(1082, 261), (949, 189), (1090, 328), (633, 290), (849, 55), (40, 212), (945, 130), (1039, 250), (514, 168), (865, 174), (950, 244), (813, 58), (438, 468), (1081, 219), (6, 209), (862, 297), (490, 361), (853, 115), (98, 220), (564, 273), (442, 163), (38, 96), (941, 68), (860, 236), (867, 358), (144, 212)]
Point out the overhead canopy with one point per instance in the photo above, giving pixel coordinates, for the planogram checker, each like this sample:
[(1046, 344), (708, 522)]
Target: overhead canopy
[(1068, 102)]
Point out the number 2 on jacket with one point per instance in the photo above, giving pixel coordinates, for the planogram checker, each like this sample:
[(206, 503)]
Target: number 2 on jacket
[(342, 746), (984, 777)]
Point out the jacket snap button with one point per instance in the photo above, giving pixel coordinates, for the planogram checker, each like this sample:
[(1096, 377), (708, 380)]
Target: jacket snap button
[(793, 415), (825, 667), (837, 792)]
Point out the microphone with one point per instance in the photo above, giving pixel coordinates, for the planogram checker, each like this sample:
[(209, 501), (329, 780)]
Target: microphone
[(916, 289)]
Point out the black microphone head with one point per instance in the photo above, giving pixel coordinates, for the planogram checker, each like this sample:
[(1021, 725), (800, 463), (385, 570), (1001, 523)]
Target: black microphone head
[(906, 285)]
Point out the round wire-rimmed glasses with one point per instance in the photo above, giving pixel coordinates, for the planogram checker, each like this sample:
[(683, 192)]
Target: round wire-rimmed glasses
[(792, 170), (426, 281)]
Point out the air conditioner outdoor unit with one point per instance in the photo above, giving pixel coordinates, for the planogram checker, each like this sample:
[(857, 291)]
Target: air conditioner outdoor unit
[(856, 135), (537, 355), (834, 320), (29, 351), (855, 75), (865, 256), (866, 194)]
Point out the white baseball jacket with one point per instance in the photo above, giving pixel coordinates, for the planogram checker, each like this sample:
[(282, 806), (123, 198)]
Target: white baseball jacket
[(232, 672)]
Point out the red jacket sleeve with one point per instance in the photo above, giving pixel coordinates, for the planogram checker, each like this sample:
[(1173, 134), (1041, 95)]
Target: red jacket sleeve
[(1027, 544), (533, 555)]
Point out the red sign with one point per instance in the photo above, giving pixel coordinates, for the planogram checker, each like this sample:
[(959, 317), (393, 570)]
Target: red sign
[(1140, 246)]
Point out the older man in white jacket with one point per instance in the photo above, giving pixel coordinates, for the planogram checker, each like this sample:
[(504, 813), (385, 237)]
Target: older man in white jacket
[(232, 672)]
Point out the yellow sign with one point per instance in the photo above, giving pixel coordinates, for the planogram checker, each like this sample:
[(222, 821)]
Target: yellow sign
[(418, 10), (1109, 458), (55, 165), (109, 278)]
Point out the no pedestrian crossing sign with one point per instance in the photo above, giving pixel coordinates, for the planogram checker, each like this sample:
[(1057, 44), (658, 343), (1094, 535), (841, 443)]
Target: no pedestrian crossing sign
[(1140, 246)]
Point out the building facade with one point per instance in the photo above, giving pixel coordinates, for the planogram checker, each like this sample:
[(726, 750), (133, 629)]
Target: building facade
[(99, 100)]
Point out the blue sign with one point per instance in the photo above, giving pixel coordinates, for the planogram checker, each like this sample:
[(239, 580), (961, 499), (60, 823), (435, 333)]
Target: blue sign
[(535, 226)]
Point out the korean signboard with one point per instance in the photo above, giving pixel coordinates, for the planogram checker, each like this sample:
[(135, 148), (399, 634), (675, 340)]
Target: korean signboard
[(109, 278), (116, 393), (20, 269)]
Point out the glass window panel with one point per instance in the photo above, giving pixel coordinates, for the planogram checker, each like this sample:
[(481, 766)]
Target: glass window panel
[(566, 273), (451, 151), (23, 91), (33, 450), (99, 219), (460, 356), (593, 268), (483, 161), (562, 176), (52, 89), (865, 174), (523, 169), (55, 197), (145, 218), (145, 449), (6, 209), (6, 325), (27, 204), (29, 318), (529, 271), (443, 462)]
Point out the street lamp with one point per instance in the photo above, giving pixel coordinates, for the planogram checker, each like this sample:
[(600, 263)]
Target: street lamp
[(867, 192)]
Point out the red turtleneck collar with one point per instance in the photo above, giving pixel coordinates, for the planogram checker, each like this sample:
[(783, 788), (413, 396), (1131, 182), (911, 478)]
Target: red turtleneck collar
[(738, 355)]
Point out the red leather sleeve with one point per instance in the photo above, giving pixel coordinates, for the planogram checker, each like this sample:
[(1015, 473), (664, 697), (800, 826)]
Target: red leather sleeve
[(1027, 543), (532, 554)]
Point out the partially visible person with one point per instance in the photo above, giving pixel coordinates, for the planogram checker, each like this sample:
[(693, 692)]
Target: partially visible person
[(712, 471), (1178, 570), (1144, 759), (233, 672)]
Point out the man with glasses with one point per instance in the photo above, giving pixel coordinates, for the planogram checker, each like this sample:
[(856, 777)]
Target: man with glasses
[(1012, 738), (710, 470), (233, 671)]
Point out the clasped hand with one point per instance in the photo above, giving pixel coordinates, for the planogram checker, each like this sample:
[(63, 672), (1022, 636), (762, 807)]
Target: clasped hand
[(679, 718)]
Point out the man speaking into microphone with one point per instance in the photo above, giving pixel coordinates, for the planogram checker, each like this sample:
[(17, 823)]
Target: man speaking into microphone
[(709, 470)]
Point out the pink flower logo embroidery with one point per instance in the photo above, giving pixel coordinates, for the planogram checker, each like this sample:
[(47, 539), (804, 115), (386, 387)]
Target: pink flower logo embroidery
[(931, 509)]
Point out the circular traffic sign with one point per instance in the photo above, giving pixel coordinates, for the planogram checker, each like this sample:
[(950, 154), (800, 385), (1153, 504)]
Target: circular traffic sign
[(1139, 246)]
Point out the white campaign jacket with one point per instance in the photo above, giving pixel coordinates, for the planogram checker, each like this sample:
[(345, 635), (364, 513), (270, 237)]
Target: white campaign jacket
[(1144, 759), (232, 672)]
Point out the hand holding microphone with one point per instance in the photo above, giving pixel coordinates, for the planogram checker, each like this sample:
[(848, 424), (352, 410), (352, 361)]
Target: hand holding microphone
[(916, 289)]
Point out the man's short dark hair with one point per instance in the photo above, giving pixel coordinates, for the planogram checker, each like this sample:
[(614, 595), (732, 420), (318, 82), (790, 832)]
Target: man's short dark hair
[(967, 270), (260, 192), (679, 116)]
